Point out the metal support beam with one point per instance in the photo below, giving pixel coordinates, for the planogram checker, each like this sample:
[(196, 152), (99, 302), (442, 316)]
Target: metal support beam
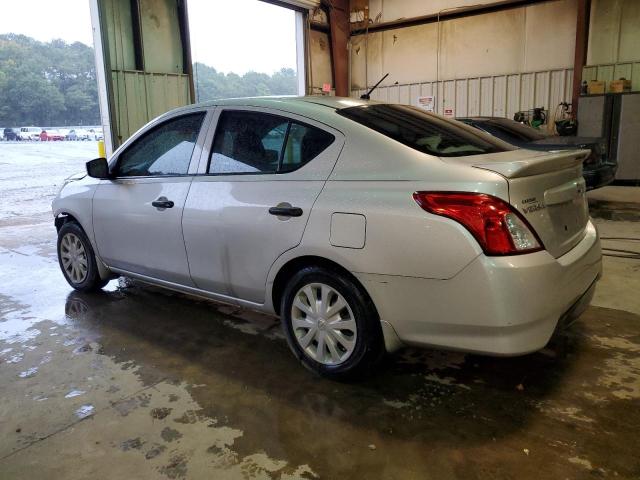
[(105, 87), (185, 37), (301, 51), (339, 31), (452, 15), (580, 57)]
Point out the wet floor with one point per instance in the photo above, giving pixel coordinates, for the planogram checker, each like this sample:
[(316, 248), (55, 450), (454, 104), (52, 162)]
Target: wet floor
[(136, 382)]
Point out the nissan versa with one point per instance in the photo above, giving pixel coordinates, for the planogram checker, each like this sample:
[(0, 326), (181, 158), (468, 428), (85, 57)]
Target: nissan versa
[(366, 226)]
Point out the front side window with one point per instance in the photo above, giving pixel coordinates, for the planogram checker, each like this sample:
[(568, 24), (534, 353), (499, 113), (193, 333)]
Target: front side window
[(164, 150), (423, 131), (253, 142)]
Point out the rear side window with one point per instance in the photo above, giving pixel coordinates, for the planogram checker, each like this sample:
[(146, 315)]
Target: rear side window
[(164, 150), (253, 142), (423, 131), (304, 143)]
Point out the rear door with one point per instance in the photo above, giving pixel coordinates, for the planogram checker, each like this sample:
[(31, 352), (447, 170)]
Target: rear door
[(137, 215), (251, 201)]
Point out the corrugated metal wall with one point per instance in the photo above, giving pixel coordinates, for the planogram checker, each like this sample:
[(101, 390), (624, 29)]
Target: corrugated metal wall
[(614, 71), (500, 95), (157, 84), (141, 96)]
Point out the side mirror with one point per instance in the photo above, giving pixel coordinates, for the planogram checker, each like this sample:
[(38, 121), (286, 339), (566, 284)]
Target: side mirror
[(98, 168)]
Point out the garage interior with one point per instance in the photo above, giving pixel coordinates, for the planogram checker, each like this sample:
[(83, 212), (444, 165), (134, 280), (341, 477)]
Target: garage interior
[(138, 382)]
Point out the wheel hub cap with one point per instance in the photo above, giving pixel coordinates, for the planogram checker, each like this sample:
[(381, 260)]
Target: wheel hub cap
[(74, 258), (323, 324)]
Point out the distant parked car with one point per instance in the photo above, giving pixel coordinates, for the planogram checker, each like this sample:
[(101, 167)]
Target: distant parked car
[(11, 134), (30, 133), (77, 134), (64, 132), (597, 171), (96, 134), (82, 134), (51, 135)]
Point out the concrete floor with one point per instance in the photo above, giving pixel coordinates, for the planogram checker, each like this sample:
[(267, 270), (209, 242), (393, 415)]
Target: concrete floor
[(139, 383)]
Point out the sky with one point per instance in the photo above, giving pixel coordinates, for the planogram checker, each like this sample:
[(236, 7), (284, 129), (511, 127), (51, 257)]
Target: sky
[(229, 35)]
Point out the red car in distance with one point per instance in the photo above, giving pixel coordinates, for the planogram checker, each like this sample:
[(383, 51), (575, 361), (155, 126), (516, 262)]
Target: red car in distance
[(51, 135)]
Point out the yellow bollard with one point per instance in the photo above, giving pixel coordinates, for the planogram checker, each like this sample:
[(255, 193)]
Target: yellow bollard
[(102, 152)]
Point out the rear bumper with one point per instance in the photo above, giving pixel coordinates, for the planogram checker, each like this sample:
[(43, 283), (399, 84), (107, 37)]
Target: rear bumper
[(496, 305), (599, 176)]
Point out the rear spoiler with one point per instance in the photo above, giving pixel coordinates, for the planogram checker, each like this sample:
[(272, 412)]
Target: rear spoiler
[(538, 164)]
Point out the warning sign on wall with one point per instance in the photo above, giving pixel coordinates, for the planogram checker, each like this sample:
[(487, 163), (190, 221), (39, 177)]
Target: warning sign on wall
[(448, 112), (427, 102)]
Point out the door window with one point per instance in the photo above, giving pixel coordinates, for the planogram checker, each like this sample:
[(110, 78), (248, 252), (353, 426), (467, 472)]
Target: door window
[(304, 143), (252, 142), (164, 150), (247, 142)]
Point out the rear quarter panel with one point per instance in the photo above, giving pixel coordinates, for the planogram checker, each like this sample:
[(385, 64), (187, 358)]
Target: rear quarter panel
[(400, 237)]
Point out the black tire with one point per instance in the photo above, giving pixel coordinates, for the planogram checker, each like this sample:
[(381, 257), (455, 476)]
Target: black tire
[(91, 281), (369, 345)]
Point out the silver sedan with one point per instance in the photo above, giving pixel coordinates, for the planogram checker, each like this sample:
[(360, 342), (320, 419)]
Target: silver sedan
[(365, 226)]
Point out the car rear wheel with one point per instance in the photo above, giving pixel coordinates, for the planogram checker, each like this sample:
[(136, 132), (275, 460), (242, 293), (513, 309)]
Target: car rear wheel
[(331, 324), (77, 260)]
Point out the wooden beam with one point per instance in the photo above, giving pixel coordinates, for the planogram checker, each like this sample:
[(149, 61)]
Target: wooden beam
[(580, 56), (339, 32)]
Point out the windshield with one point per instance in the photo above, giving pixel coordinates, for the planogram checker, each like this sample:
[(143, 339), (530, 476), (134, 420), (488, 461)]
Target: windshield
[(423, 131)]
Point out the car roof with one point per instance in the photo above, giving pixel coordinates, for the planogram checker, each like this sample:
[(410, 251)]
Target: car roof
[(289, 103), (326, 101)]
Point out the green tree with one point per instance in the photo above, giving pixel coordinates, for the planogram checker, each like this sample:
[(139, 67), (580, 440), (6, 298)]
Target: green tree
[(54, 83), (46, 83), (211, 84)]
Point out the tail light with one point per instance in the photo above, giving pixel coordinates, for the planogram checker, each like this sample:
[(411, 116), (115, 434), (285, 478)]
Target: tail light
[(496, 225)]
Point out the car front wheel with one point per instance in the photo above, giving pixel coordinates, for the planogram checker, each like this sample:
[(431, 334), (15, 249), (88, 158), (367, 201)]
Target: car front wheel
[(77, 260), (331, 324)]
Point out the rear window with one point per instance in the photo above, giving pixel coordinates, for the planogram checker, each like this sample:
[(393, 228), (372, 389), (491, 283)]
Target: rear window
[(424, 131), (514, 130)]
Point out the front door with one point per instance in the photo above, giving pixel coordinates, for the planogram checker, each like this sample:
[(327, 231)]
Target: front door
[(137, 215), (252, 200)]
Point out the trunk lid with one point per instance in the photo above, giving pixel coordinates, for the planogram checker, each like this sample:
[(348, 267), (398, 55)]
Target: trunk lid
[(547, 188)]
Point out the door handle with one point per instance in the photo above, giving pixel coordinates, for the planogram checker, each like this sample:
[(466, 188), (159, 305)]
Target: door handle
[(162, 202), (286, 211)]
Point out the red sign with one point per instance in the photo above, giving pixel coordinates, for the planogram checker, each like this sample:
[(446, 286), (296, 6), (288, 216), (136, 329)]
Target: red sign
[(326, 87)]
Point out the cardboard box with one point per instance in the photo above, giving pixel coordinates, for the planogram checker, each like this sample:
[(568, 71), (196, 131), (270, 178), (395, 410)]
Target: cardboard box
[(596, 86), (619, 86)]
